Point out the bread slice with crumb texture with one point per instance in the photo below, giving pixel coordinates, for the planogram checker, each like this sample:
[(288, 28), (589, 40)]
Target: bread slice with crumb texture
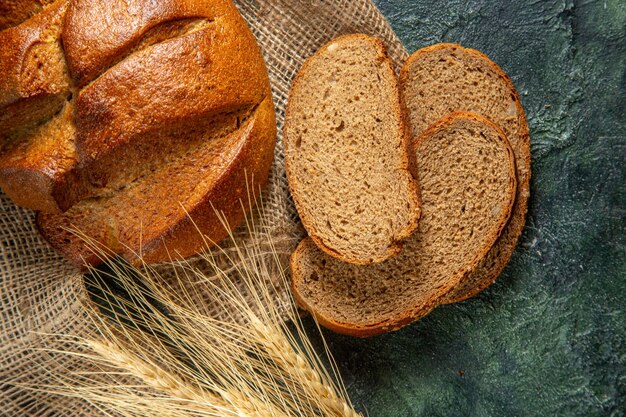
[(466, 172), (445, 78), (347, 152)]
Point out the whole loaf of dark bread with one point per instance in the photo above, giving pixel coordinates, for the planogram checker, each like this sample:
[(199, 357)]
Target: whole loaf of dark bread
[(123, 119)]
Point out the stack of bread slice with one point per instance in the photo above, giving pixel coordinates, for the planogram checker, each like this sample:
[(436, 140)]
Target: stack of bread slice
[(359, 143)]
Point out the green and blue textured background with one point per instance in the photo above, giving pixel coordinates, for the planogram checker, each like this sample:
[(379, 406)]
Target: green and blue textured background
[(549, 337)]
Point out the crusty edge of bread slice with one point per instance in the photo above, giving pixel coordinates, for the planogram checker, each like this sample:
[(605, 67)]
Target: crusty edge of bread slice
[(466, 289), (418, 311), (408, 154), (349, 329)]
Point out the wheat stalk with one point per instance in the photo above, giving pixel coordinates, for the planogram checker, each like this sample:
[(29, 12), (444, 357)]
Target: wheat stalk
[(164, 348)]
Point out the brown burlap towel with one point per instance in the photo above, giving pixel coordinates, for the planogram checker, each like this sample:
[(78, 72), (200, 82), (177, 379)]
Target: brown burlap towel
[(42, 293)]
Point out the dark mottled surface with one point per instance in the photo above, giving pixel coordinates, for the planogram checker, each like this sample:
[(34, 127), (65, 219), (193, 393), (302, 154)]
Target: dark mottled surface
[(549, 338)]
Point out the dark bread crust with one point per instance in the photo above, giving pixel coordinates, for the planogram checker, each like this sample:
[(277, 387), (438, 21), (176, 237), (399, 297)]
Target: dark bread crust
[(135, 85), (14, 12), (34, 85), (244, 178), (208, 67), (39, 172), (422, 307), (154, 90), (495, 261), (408, 159), (92, 47), (184, 217)]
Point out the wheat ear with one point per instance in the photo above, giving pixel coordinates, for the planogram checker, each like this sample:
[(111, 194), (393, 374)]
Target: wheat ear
[(283, 353), (154, 376), (175, 388)]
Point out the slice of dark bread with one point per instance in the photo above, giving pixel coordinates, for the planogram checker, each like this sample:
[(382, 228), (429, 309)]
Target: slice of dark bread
[(347, 152), (445, 78), (466, 172)]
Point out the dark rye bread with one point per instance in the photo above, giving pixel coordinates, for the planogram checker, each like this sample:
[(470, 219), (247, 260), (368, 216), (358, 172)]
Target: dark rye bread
[(144, 90), (466, 172), (444, 78), (347, 152), (128, 123)]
